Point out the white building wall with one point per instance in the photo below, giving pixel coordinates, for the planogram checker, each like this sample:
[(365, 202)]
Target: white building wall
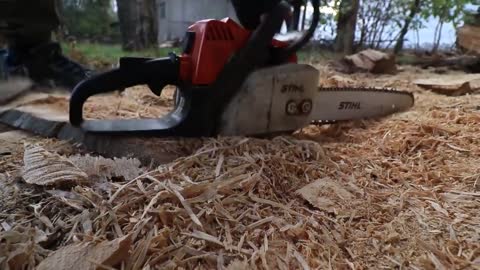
[(180, 14)]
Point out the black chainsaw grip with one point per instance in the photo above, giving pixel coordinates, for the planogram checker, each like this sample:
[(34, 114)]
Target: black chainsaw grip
[(132, 71)]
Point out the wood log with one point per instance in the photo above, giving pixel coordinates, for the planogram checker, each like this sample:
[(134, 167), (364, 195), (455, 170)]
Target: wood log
[(467, 63), (468, 39), (368, 61)]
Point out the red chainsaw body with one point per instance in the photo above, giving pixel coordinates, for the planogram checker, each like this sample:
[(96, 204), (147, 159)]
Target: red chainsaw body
[(208, 46)]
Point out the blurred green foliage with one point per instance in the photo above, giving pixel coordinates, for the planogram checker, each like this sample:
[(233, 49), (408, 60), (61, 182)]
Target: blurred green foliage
[(90, 19)]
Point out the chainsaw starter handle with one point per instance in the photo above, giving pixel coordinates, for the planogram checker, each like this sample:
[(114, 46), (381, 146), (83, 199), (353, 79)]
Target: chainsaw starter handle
[(156, 73)]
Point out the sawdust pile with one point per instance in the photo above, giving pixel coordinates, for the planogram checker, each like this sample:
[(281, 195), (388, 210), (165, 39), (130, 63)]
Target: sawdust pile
[(133, 103), (403, 192)]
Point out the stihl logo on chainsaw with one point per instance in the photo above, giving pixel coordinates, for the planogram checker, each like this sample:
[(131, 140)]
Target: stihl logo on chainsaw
[(292, 88), (349, 106)]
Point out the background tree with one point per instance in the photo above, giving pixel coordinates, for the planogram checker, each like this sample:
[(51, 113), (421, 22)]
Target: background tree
[(445, 11), (376, 24), (346, 25), (148, 23), (380, 21), (88, 19), (415, 8), (128, 17), (138, 23)]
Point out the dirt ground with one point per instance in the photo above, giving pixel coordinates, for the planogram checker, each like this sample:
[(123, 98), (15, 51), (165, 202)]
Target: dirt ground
[(397, 193)]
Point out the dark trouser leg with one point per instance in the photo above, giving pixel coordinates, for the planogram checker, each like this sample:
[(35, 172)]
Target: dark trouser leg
[(27, 26), (27, 23)]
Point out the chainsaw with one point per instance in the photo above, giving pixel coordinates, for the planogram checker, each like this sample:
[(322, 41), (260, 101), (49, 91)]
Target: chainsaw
[(235, 81)]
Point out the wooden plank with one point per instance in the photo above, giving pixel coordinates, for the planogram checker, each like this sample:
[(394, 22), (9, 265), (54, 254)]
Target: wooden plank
[(453, 85)]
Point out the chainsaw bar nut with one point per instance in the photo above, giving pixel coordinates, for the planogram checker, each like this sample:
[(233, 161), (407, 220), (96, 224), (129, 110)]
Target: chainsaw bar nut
[(292, 108), (306, 106)]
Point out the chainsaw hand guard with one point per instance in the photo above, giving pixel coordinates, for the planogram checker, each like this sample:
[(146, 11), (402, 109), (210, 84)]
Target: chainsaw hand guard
[(132, 72)]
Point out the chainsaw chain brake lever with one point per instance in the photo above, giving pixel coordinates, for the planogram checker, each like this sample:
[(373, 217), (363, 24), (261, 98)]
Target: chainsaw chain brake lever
[(156, 73), (283, 54)]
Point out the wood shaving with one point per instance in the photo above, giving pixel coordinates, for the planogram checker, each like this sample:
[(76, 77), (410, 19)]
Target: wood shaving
[(104, 169), (87, 256), (44, 168)]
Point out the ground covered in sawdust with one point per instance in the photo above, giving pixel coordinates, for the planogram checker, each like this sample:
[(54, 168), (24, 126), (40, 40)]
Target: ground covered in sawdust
[(397, 193), (133, 103)]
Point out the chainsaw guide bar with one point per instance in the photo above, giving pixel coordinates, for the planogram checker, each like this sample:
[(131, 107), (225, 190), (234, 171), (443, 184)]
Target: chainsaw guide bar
[(355, 103)]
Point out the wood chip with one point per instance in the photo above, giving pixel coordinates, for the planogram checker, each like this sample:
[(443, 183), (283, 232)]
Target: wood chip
[(44, 168), (301, 260), (204, 236), (82, 256), (319, 194), (105, 168)]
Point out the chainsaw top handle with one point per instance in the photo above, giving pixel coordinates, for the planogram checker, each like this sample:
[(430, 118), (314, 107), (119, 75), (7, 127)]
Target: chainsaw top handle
[(156, 73)]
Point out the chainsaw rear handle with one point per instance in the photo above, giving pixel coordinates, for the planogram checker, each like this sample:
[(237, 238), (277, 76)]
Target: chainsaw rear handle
[(156, 73)]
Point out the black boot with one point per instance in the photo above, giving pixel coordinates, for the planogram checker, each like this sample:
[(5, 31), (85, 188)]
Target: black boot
[(46, 66)]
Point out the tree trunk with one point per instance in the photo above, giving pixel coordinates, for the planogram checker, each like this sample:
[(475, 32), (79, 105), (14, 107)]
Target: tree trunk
[(138, 23), (148, 23), (413, 11), (346, 26), (297, 11), (438, 38), (128, 16)]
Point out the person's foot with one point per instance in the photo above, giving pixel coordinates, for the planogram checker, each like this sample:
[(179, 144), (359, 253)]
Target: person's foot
[(46, 66)]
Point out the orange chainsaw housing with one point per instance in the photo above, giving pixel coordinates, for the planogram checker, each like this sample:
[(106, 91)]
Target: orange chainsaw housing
[(207, 47)]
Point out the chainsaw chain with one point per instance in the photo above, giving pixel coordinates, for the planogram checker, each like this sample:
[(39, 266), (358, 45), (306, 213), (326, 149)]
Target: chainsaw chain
[(324, 122)]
